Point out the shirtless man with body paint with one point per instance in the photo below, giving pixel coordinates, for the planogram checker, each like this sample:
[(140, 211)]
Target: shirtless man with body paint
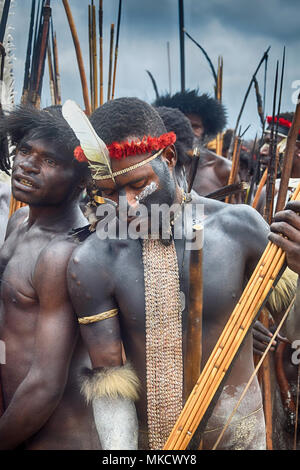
[(106, 285)]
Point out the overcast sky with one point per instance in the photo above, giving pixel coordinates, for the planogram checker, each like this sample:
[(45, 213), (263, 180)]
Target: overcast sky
[(239, 30)]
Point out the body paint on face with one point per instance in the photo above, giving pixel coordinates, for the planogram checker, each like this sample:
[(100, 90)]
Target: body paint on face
[(149, 189)]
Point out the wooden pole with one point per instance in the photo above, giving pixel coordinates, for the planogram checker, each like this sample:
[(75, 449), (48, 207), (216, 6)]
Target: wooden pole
[(266, 387), (181, 43), (101, 49), (112, 26), (95, 65), (42, 55), (79, 57), (235, 163), (51, 76), (91, 58), (169, 67), (268, 211), (57, 74), (116, 50), (219, 140), (193, 355), (259, 189), (288, 158)]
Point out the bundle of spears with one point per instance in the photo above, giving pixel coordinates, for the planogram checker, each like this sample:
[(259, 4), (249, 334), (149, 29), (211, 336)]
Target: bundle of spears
[(91, 99)]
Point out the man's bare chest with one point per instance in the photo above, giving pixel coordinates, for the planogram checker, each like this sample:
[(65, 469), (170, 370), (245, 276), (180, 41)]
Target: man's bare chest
[(223, 280), (18, 260)]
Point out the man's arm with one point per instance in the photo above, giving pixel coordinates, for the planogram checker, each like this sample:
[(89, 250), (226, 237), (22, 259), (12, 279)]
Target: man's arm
[(41, 390), (110, 386), (286, 234)]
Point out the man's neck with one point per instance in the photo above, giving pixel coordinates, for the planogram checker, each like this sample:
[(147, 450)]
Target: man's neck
[(54, 217)]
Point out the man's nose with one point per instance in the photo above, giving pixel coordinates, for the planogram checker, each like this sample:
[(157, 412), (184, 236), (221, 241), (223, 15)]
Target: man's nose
[(29, 164), (130, 197)]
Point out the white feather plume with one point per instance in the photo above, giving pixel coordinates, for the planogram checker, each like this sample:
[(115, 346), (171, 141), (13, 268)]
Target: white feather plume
[(93, 146)]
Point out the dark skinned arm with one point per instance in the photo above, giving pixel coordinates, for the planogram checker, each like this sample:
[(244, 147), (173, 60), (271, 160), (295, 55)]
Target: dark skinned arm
[(285, 233), (91, 288), (39, 393)]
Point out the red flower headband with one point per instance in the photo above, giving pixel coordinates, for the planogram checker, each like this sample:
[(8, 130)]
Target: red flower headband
[(120, 150), (281, 122)]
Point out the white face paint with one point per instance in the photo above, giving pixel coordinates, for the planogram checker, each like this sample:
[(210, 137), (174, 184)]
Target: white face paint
[(149, 189)]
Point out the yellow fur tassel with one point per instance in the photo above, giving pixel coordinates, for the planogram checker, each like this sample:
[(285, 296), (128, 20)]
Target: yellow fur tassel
[(284, 291), (111, 382)]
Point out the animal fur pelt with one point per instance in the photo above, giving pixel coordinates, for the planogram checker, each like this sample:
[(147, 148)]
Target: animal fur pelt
[(284, 292), (110, 382)]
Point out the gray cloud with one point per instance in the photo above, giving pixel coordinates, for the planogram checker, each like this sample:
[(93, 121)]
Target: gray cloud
[(238, 30)]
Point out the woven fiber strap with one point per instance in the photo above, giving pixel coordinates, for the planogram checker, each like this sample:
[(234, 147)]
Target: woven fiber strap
[(98, 317), (96, 169), (163, 340)]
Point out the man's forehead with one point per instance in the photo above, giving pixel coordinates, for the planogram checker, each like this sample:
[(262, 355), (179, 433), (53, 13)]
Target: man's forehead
[(45, 146), (131, 177)]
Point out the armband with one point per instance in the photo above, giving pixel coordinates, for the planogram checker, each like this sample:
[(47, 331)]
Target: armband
[(98, 317)]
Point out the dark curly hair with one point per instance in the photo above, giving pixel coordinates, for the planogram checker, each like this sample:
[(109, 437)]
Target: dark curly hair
[(211, 112), (48, 124), (121, 118), (177, 122)]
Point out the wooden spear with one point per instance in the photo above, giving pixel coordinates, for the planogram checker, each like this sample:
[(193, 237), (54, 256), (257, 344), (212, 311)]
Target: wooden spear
[(193, 355), (51, 76), (112, 27), (268, 212), (207, 58), (116, 50), (79, 57), (259, 189), (219, 140), (288, 158), (42, 55), (169, 67), (28, 54), (101, 49), (228, 190), (181, 43), (264, 57), (57, 74), (92, 88), (264, 317), (235, 164), (95, 64)]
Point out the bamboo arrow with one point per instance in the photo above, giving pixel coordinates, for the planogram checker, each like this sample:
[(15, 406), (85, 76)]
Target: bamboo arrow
[(251, 301)]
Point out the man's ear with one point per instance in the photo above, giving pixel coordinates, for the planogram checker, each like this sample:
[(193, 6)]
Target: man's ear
[(170, 156)]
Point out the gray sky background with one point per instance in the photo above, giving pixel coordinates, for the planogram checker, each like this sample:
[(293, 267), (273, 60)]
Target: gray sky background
[(239, 30)]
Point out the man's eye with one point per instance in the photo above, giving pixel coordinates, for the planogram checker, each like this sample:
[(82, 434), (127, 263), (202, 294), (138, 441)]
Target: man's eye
[(139, 185), (50, 162), (24, 151)]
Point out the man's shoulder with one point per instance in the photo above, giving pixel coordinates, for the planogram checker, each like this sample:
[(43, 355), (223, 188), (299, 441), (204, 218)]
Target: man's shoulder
[(56, 254), (16, 219), (230, 215)]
